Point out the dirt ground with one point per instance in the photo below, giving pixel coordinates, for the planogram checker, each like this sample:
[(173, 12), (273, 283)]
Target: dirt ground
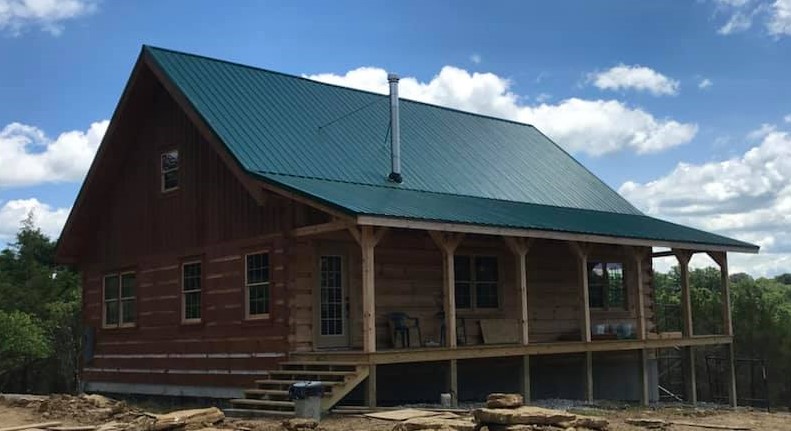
[(75, 411)]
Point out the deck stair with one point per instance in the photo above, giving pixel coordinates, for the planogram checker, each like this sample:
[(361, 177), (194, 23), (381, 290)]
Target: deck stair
[(270, 396)]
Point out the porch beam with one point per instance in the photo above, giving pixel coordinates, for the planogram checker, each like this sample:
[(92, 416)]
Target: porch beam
[(520, 247), (582, 250), (683, 257), (368, 240), (448, 243), (317, 229)]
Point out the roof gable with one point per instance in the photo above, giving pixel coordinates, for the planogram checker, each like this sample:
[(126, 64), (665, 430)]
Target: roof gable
[(274, 123)]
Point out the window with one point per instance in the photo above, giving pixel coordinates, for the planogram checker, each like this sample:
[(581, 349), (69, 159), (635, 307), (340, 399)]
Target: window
[(257, 285), (169, 168), (191, 291), (606, 285), (476, 282), (119, 300)]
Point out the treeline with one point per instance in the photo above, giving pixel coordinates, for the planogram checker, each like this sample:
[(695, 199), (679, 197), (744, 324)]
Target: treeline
[(761, 318), (39, 317)]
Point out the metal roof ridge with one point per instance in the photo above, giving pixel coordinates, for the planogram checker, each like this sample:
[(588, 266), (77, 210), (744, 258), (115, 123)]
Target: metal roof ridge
[(313, 81)]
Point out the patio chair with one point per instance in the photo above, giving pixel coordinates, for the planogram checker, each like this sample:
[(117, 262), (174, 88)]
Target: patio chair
[(401, 325)]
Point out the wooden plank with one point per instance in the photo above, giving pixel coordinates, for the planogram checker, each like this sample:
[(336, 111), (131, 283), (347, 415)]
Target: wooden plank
[(730, 378), (588, 377), (690, 381), (453, 382), (584, 297), (722, 260), (317, 229), (524, 378), (644, 384), (519, 247), (368, 290), (370, 387), (534, 233), (475, 352), (36, 425), (640, 303), (683, 257), (447, 243)]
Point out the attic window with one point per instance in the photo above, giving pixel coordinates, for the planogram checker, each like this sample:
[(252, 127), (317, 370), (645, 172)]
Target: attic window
[(170, 170)]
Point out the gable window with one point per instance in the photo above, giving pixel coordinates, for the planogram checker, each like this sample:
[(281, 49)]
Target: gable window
[(257, 285), (119, 300), (169, 169), (191, 292), (606, 285), (476, 282)]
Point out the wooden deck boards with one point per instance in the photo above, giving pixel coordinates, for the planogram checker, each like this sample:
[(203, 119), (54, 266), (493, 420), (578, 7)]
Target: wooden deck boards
[(428, 354)]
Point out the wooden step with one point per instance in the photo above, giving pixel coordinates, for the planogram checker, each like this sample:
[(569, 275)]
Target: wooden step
[(319, 373), (290, 382), (271, 404), (275, 392), (256, 413)]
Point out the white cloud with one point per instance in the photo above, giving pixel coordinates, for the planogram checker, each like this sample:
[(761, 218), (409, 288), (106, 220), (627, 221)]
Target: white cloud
[(12, 213), (476, 58), (705, 83), (787, 118), (737, 23), (592, 126), (779, 23), (747, 197), (28, 156), (49, 15), (639, 78)]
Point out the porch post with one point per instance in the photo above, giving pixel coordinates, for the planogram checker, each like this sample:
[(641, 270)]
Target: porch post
[(368, 238), (524, 382), (519, 247), (688, 353), (727, 325), (448, 242), (453, 382), (581, 249), (644, 386), (639, 255)]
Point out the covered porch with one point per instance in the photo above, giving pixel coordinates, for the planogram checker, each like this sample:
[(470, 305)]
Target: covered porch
[(527, 294)]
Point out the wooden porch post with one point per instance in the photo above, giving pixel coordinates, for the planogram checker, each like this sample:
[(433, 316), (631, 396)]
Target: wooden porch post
[(644, 385), (448, 242), (582, 249), (519, 247), (524, 382), (727, 324), (367, 237), (688, 353), (453, 381), (640, 254)]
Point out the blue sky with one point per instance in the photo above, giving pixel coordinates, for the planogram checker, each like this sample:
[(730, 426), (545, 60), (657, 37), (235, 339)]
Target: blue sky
[(632, 89)]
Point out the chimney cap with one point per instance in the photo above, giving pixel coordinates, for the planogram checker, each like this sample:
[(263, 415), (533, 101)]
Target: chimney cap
[(392, 77)]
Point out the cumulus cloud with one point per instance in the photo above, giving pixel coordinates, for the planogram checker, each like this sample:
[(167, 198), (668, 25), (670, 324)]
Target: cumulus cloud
[(638, 78), (705, 83), (28, 156), (774, 14), (50, 220), (747, 197), (595, 127), (779, 23), (49, 15)]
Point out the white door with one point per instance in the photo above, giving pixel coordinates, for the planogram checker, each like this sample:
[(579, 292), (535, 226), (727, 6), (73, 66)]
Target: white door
[(332, 313)]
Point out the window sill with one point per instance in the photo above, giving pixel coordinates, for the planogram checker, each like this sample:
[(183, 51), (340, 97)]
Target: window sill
[(127, 326), (192, 322), (611, 314), (257, 318)]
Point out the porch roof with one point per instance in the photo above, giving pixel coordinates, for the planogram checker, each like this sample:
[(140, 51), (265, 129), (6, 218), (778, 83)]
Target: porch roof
[(368, 200)]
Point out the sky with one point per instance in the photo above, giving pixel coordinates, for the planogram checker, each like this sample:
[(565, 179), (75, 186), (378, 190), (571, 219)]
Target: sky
[(682, 107)]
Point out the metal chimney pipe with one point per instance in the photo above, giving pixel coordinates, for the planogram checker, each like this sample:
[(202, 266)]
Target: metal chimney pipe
[(395, 131)]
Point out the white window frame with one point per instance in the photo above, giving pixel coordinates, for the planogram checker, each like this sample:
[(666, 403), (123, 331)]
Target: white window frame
[(247, 286), (184, 293), (120, 300), (163, 171)]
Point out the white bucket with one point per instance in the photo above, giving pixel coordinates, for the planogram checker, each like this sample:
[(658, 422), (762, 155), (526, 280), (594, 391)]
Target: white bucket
[(445, 400)]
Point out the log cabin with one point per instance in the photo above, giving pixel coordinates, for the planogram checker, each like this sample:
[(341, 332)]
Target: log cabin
[(242, 229)]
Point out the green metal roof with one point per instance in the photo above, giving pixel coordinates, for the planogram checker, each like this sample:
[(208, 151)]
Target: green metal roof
[(330, 143)]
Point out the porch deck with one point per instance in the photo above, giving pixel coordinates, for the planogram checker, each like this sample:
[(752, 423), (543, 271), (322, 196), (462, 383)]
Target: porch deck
[(428, 354)]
